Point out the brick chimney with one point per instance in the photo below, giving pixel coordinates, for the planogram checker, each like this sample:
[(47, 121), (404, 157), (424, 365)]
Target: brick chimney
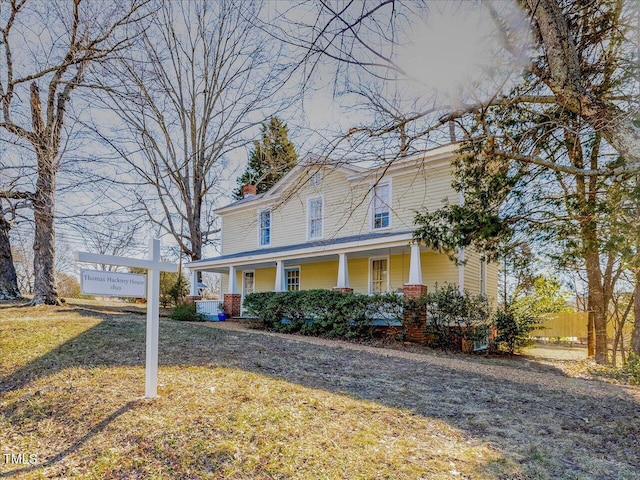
[(248, 190)]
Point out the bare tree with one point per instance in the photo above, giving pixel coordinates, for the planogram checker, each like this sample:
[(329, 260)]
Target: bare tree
[(22, 252), (115, 235), (364, 37), (46, 48), (8, 279), (186, 99)]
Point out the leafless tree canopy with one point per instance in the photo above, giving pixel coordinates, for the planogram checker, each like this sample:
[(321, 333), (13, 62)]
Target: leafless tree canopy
[(540, 42), (200, 79), (46, 48)]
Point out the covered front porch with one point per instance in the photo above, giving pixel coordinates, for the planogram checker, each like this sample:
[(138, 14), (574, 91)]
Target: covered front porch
[(365, 264)]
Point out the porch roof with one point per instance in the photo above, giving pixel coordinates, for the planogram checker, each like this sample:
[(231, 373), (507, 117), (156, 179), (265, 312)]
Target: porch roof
[(314, 249)]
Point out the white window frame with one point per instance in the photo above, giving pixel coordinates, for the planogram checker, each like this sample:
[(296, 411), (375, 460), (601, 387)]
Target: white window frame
[(372, 213), (260, 212), (286, 279), (254, 281), (244, 293), (482, 275), (309, 200), (379, 257)]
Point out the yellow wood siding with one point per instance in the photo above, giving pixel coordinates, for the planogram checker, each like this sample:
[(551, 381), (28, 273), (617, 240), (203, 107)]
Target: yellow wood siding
[(359, 274), (318, 275), (347, 212), (265, 279), (424, 190), (437, 269), (224, 284), (472, 272), (346, 208), (472, 276), (239, 232)]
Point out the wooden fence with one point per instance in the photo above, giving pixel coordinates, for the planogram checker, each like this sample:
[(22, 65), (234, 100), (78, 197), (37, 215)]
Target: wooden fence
[(571, 326)]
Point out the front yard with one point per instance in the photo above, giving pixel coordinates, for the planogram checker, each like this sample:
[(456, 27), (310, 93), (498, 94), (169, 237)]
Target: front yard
[(243, 404)]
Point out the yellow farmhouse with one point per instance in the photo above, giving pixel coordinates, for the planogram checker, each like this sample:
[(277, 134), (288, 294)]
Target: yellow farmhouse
[(334, 225)]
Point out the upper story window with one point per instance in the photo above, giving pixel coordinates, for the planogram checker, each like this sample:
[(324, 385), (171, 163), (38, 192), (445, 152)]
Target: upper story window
[(381, 209), (264, 228), (315, 217)]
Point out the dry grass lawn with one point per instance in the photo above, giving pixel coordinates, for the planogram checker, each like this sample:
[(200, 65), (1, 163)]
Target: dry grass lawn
[(245, 405)]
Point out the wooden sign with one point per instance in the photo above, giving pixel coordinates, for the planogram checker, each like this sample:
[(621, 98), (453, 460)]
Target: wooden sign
[(100, 282)]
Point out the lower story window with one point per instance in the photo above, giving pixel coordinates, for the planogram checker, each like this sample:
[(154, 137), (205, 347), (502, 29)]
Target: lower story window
[(293, 279), (248, 283), (379, 275)]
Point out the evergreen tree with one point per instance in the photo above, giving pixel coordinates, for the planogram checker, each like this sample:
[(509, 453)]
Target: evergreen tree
[(271, 158)]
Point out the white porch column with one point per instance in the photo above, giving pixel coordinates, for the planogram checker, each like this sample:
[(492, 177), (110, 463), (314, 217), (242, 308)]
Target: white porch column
[(233, 286), (194, 284), (343, 271), (279, 286), (415, 267)]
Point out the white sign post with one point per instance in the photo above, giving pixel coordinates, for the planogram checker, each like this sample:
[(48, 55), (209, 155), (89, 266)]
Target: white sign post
[(154, 266)]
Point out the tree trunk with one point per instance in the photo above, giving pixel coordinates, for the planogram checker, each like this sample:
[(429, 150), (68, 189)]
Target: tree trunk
[(597, 306), (44, 289), (8, 278), (635, 336), (565, 79), (591, 333)]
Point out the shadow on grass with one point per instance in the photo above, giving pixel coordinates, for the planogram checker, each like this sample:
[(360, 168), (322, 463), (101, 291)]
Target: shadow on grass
[(75, 445), (537, 418)]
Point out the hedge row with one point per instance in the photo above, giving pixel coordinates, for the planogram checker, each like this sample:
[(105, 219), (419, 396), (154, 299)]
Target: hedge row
[(451, 315), (323, 312)]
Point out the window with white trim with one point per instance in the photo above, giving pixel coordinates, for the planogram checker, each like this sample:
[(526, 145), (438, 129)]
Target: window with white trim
[(292, 276), (381, 210), (315, 218), (483, 277), (248, 282), (379, 275), (264, 233)]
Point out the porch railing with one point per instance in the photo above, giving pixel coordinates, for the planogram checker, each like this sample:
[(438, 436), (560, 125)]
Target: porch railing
[(209, 308)]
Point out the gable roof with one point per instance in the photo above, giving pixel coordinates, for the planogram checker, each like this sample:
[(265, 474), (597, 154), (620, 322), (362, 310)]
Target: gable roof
[(273, 195)]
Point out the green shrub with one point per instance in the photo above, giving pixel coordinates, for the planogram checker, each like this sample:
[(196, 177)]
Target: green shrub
[(186, 312), (631, 369), (322, 312), (452, 316), (513, 329)]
